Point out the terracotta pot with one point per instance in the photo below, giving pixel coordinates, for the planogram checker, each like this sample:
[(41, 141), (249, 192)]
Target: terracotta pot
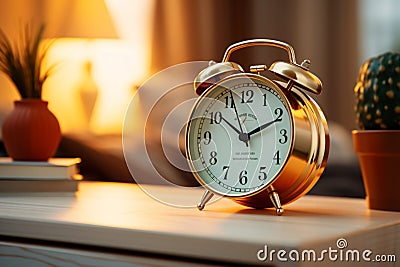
[(379, 155), (31, 132)]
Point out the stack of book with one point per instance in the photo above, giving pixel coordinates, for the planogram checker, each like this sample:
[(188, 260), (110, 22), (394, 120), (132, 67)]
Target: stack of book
[(57, 175)]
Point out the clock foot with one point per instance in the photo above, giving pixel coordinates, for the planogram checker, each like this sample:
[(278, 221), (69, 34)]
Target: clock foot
[(206, 197), (276, 201)]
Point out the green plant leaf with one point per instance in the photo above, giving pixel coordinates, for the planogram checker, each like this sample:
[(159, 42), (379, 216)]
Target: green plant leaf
[(22, 61)]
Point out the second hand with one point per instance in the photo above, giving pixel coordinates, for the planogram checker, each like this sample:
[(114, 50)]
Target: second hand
[(237, 117)]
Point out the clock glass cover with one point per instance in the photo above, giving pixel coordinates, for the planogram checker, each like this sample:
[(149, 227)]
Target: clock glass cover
[(239, 135)]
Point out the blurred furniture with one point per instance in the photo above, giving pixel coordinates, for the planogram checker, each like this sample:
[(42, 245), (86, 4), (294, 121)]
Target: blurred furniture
[(118, 224), (102, 156), (103, 160)]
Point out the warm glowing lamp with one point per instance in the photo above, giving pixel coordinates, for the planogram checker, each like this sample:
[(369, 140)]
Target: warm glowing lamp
[(115, 66), (87, 20), (78, 19)]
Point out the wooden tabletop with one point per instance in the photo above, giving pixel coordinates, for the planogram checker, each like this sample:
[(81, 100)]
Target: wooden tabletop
[(122, 216)]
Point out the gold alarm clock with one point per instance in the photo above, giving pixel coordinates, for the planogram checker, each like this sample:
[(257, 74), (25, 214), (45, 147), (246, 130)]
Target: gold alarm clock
[(261, 142)]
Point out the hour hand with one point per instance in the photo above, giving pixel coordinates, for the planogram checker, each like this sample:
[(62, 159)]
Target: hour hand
[(242, 136), (232, 126)]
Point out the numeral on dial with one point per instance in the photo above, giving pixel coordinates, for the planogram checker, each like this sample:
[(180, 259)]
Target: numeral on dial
[(279, 112), (226, 169), (247, 96), (277, 158), (243, 177), (284, 138), (265, 100), (262, 174), (207, 137), (216, 117), (213, 160), (229, 102)]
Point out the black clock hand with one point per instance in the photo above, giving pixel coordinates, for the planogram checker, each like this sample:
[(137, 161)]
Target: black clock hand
[(230, 125), (242, 136), (262, 127)]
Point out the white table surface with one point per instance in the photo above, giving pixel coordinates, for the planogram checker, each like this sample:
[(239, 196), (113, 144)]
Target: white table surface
[(122, 216)]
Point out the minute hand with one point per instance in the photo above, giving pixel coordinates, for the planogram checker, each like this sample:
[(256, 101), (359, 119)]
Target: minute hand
[(262, 127)]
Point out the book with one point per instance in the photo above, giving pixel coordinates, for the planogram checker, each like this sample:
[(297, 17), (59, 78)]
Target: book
[(38, 186), (53, 169)]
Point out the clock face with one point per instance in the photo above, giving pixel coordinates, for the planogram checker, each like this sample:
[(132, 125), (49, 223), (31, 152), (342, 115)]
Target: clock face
[(239, 136)]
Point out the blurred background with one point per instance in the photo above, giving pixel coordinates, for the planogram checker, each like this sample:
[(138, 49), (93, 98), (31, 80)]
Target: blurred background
[(104, 50)]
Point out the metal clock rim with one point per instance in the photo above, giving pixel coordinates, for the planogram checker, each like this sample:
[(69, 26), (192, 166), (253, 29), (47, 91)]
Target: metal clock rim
[(284, 99)]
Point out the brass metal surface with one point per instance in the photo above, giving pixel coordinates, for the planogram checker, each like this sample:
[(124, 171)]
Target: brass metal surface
[(303, 78), (310, 135), (260, 42), (213, 74), (308, 158), (309, 153), (292, 71)]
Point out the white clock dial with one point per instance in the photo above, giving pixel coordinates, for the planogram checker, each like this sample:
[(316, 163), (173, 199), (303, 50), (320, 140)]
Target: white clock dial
[(239, 136)]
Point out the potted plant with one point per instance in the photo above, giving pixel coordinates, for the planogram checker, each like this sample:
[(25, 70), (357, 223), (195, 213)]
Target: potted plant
[(30, 131), (377, 143)]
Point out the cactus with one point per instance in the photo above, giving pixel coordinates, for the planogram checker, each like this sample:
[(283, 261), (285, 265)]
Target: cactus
[(378, 93)]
